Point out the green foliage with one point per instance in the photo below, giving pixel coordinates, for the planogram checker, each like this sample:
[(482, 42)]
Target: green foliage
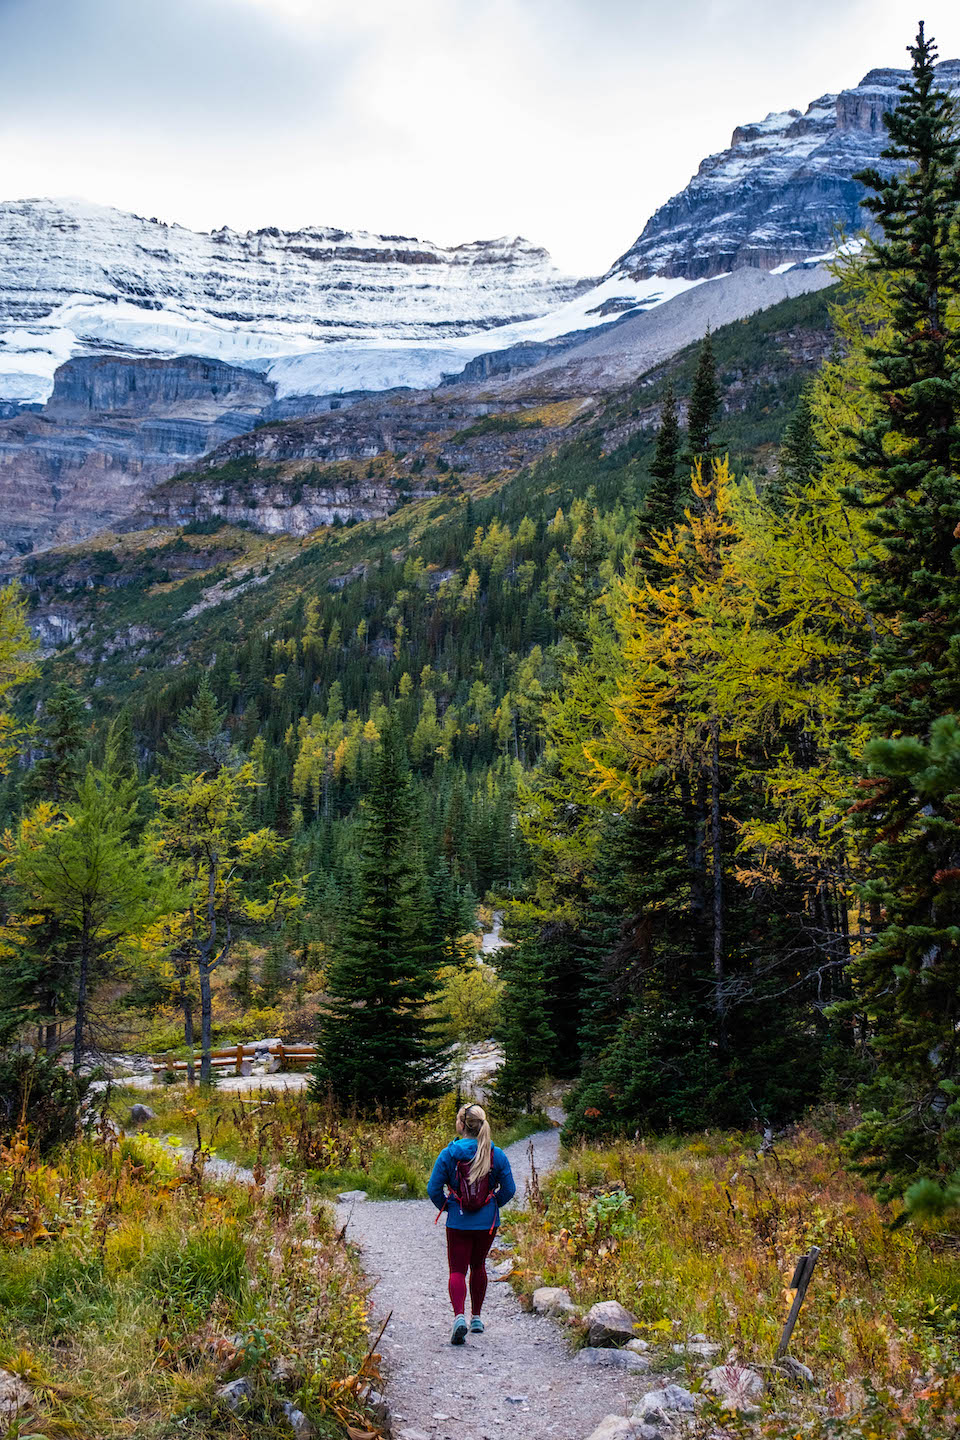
[(42, 1097), (495, 425), (704, 408), (56, 771), (907, 453), (375, 1043), (528, 1041), (209, 1269)]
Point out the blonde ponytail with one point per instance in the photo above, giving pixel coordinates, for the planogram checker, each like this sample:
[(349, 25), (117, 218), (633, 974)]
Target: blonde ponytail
[(472, 1121)]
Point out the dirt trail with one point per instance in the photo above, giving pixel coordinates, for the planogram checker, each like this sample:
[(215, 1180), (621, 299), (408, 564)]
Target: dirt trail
[(518, 1379)]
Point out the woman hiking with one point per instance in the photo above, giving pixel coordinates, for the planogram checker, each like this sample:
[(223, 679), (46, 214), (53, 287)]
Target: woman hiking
[(471, 1180)]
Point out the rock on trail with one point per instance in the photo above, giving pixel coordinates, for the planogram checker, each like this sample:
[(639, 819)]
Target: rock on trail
[(519, 1378)]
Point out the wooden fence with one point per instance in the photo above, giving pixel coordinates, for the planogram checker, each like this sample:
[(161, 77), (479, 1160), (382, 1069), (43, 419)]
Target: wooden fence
[(231, 1061)]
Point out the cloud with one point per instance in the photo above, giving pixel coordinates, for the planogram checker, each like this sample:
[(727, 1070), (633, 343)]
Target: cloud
[(565, 120)]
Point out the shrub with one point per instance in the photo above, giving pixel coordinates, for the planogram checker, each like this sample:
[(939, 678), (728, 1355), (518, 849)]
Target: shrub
[(37, 1092)]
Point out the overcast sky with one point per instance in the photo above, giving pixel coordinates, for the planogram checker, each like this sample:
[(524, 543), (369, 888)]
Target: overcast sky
[(568, 121)]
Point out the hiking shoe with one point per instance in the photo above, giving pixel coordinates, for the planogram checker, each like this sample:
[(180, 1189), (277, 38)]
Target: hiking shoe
[(476, 1326), (459, 1331)]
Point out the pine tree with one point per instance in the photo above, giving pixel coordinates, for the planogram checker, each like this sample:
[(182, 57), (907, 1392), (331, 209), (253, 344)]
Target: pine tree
[(120, 761), (80, 868), (666, 496), (581, 582), (528, 1041), (800, 459), (275, 970), (375, 1043), (704, 409), (199, 744), (56, 774), (908, 980)]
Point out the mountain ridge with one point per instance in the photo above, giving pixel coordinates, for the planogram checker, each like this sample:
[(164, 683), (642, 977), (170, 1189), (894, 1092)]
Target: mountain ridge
[(780, 190)]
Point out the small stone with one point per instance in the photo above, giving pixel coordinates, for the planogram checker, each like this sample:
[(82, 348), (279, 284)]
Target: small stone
[(703, 1348), (552, 1300), (796, 1370), (517, 1399), (735, 1386), (378, 1409), (236, 1394), (608, 1323), (283, 1371), (671, 1400), (618, 1427), (639, 1347), (411, 1434), (298, 1422), (246, 1067), (140, 1114), (615, 1359), (14, 1397), (347, 1195)]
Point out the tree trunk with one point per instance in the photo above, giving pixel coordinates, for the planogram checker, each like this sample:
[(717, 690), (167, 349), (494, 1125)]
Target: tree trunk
[(186, 1004), (717, 856), (205, 968), (83, 972), (206, 1018)]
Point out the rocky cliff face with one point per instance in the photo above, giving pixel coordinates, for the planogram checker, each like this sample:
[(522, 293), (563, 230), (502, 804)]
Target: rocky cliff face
[(780, 191), (112, 428), (353, 465), (80, 279)]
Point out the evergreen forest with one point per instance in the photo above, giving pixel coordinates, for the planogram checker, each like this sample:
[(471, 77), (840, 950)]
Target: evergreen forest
[(680, 700)]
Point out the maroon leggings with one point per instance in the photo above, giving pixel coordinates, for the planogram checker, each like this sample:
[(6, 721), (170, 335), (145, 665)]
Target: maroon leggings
[(467, 1249)]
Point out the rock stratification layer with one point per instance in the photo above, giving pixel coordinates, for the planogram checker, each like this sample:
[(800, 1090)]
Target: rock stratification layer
[(782, 189)]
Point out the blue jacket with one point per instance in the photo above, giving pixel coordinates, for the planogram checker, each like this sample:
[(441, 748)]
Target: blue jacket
[(445, 1174)]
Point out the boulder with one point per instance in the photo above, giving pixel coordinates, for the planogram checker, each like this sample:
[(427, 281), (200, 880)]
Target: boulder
[(298, 1422), (346, 1196), (140, 1114), (639, 1347), (236, 1394), (615, 1359), (671, 1401), (608, 1323), (735, 1386), (501, 1271), (14, 1397), (553, 1300)]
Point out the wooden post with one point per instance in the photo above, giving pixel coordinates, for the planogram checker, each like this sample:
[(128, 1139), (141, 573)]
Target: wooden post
[(802, 1276), (239, 1059)]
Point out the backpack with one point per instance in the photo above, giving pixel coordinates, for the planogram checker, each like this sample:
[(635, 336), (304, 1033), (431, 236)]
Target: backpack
[(472, 1195)]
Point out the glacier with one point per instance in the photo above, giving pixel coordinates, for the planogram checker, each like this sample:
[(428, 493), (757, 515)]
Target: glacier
[(316, 311)]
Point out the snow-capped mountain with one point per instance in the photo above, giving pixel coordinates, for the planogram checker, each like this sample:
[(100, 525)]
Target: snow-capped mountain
[(781, 190), (81, 279)]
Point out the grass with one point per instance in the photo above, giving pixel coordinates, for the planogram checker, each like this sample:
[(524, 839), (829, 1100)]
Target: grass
[(702, 1236), (130, 1291), (390, 1159)]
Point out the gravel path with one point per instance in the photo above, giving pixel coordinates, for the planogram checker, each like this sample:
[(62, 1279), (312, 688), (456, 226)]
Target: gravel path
[(518, 1380)]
